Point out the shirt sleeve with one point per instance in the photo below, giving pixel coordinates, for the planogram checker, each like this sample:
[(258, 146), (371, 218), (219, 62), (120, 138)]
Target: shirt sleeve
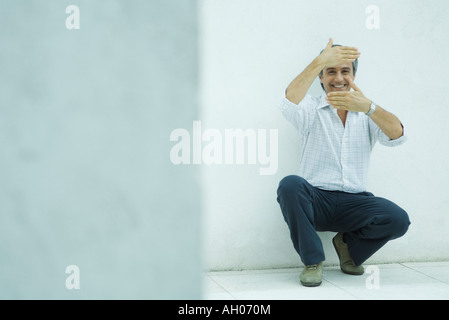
[(383, 139), (300, 115)]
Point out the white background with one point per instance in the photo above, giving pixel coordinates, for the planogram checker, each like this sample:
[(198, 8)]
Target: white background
[(252, 49)]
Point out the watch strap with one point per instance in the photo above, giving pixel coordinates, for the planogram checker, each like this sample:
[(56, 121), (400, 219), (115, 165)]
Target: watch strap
[(371, 109)]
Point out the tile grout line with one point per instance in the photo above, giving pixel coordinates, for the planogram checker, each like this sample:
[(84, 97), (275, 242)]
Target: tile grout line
[(336, 286), (446, 283), (218, 284)]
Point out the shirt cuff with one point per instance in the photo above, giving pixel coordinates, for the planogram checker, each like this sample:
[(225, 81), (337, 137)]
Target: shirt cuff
[(386, 141), (287, 104)]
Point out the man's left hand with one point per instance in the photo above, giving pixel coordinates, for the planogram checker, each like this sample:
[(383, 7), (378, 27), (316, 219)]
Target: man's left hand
[(349, 100)]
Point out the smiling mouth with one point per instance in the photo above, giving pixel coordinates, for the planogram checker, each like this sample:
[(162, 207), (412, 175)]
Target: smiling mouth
[(340, 86)]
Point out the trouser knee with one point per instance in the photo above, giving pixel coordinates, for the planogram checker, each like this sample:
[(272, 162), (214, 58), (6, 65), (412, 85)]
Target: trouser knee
[(400, 223), (291, 185)]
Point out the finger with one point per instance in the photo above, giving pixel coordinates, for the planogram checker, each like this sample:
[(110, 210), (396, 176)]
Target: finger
[(348, 58), (353, 86), (337, 103), (349, 55), (336, 100), (338, 94), (339, 106), (344, 48), (330, 43), (352, 53)]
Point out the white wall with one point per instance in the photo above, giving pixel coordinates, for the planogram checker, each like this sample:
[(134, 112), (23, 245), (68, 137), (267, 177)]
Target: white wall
[(251, 50), (85, 174)]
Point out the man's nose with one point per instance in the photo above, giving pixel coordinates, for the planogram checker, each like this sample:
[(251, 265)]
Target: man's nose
[(339, 77)]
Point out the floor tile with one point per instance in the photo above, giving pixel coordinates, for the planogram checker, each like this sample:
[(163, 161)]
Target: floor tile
[(406, 281), (271, 285), (399, 283), (434, 270), (213, 291)]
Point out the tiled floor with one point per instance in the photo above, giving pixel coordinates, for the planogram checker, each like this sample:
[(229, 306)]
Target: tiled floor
[(418, 280)]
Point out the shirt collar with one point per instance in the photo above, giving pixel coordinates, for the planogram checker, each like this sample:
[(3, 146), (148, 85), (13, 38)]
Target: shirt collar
[(323, 103)]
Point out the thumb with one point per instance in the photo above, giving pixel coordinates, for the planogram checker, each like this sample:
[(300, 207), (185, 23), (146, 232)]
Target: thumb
[(353, 86), (330, 43)]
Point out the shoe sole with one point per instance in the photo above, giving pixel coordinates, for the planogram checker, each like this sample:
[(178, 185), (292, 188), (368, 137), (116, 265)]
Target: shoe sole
[(310, 284), (344, 271)]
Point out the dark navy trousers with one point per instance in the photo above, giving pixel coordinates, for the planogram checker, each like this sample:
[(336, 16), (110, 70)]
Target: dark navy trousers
[(368, 222)]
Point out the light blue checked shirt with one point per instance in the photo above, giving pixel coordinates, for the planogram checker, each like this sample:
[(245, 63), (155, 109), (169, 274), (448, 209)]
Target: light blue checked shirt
[(334, 157)]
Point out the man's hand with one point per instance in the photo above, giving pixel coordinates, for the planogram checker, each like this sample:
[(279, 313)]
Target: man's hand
[(349, 100), (330, 57), (333, 56)]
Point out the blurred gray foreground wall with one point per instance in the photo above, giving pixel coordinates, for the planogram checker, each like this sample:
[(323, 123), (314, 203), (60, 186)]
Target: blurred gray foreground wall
[(91, 207)]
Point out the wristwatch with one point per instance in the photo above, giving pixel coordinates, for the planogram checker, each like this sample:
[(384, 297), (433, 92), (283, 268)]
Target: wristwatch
[(371, 109)]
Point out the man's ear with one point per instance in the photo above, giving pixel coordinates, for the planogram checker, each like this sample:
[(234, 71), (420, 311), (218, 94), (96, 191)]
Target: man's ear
[(320, 75)]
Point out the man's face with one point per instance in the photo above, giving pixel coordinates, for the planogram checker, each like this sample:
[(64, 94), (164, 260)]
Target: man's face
[(337, 78)]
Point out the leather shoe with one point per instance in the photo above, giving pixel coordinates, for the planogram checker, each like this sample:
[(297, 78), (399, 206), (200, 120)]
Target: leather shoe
[(347, 265), (311, 275)]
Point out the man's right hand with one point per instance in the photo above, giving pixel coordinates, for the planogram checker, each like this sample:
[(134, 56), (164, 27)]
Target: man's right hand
[(333, 56)]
